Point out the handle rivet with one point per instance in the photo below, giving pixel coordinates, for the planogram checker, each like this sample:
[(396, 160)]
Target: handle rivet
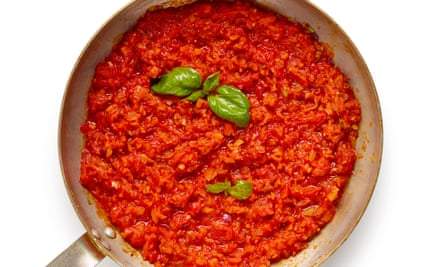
[(110, 233), (95, 234)]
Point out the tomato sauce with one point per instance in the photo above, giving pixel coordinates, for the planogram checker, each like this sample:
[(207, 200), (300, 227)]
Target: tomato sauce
[(147, 157)]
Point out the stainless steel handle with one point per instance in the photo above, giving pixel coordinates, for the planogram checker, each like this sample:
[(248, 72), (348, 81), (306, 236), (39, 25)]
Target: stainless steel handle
[(81, 253)]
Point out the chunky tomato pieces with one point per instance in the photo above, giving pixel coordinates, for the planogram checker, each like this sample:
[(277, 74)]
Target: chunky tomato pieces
[(147, 157)]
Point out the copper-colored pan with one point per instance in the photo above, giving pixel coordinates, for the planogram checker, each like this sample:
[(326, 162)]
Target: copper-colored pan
[(101, 240)]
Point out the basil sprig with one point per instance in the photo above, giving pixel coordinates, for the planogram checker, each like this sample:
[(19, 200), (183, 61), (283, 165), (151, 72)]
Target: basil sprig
[(241, 190), (226, 101)]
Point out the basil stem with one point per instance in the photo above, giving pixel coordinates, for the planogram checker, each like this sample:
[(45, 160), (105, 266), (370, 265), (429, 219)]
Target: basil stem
[(179, 81), (231, 104)]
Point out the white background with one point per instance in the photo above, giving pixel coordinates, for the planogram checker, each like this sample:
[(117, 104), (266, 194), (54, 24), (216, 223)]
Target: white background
[(402, 42)]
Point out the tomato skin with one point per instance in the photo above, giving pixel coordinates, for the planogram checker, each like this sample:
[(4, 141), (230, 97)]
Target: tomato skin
[(147, 158)]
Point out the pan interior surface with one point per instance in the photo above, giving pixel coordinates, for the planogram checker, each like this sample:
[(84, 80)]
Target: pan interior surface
[(347, 57)]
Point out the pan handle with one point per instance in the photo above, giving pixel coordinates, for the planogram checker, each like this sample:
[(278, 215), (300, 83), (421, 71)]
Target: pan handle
[(82, 253)]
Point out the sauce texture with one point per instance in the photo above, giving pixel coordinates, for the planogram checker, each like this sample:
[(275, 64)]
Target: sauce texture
[(148, 157)]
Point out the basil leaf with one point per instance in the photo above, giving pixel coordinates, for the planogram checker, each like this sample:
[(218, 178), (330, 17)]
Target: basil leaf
[(241, 190), (218, 187), (231, 104), (195, 96), (180, 81), (211, 82)]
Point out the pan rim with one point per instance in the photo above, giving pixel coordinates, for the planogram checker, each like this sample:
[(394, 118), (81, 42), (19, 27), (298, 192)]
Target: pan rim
[(73, 196)]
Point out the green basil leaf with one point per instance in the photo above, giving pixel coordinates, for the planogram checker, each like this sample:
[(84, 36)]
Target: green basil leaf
[(195, 96), (180, 81), (218, 187), (231, 104), (211, 82), (241, 190)]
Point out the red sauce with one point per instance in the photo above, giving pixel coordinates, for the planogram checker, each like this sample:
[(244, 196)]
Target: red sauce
[(147, 158)]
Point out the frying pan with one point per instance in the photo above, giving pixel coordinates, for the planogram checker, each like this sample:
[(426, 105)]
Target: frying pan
[(102, 240)]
